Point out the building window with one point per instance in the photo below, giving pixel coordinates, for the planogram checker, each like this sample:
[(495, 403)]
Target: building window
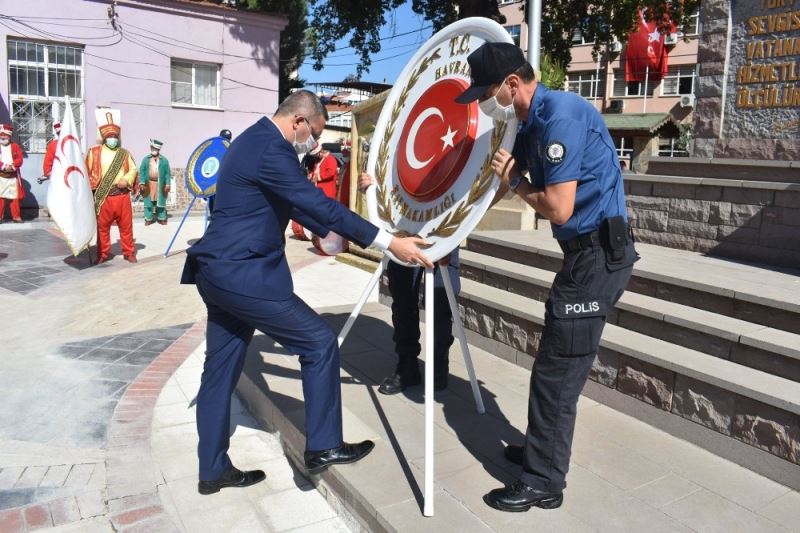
[(624, 146), (693, 28), (631, 88), (39, 75), (588, 83), (195, 84), (679, 80), (578, 38), (513, 31), (671, 147)]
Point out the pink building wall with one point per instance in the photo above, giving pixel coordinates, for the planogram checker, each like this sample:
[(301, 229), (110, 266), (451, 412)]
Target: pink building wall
[(124, 75)]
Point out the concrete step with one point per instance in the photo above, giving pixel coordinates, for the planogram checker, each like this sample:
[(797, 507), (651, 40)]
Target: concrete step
[(748, 292), (753, 345), (733, 400)]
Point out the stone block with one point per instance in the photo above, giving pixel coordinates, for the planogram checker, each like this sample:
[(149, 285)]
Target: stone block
[(639, 188), (712, 10), (709, 86), (512, 331), (769, 362), (768, 428), (719, 212), (745, 215), (780, 236), (673, 190), (736, 234), (708, 192), (670, 240), (648, 219), (525, 360), (704, 245), (646, 382), (787, 149), (706, 117), (498, 281), (605, 368), (472, 273), (479, 318), (787, 199), (528, 290), (781, 215), (704, 147), (688, 228), (758, 197), (703, 403), (702, 300), (685, 209), (647, 202)]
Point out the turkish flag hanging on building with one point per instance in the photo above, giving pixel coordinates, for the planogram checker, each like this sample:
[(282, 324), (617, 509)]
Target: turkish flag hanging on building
[(646, 55)]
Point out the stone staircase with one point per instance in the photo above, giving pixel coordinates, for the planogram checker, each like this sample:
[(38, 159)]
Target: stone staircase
[(703, 348)]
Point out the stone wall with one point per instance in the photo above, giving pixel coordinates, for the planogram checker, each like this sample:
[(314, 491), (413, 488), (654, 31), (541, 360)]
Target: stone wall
[(725, 124), (752, 221), (516, 339)]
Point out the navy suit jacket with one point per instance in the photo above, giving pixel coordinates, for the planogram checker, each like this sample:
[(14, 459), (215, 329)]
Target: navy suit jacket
[(261, 186)]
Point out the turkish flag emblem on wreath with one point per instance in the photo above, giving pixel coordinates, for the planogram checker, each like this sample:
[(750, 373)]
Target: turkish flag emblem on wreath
[(436, 141)]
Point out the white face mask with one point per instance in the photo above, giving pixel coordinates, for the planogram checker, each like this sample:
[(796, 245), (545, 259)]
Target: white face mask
[(112, 142), (5, 141), (154, 153), (493, 108), (310, 144)]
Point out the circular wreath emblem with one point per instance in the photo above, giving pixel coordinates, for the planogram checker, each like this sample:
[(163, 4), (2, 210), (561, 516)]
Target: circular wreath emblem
[(432, 168)]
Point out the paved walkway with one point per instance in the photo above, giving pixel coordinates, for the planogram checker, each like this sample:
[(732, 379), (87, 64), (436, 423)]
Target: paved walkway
[(101, 365), (86, 354)]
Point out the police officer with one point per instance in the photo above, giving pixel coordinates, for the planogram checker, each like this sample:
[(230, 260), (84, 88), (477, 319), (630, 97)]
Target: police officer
[(576, 183)]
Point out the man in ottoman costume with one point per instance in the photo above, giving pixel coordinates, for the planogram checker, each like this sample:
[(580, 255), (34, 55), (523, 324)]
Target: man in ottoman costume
[(10, 179), (112, 173), (154, 184), (50, 154)]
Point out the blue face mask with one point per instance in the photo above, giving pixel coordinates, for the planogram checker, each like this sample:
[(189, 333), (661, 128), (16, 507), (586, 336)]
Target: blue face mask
[(112, 142)]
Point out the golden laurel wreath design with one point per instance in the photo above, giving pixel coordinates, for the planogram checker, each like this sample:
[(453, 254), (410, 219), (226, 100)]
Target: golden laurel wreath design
[(384, 207), (481, 184)]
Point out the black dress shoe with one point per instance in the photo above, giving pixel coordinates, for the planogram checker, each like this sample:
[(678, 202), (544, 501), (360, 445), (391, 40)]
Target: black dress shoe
[(519, 497), (397, 383), (232, 478), (316, 462), (514, 453)]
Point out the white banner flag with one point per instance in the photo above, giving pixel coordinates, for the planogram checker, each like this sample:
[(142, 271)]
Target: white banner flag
[(69, 199)]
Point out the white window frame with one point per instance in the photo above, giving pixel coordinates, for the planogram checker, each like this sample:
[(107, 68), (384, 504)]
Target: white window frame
[(623, 152), (194, 64), (597, 85), (46, 65), (518, 40), (695, 26), (651, 86), (676, 72), (670, 151)]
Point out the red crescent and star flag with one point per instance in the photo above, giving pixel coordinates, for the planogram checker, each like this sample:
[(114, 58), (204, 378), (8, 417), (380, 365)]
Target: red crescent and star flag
[(69, 198), (646, 55)]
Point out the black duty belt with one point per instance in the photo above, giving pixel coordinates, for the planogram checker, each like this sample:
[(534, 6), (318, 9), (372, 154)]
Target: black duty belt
[(587, 240)]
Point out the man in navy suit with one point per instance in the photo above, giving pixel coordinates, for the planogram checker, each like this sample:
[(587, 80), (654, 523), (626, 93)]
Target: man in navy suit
[(240, 269)]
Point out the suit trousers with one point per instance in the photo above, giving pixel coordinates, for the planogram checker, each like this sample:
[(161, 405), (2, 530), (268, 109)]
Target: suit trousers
[(404, 286), (115, 209), (232, 320), (587, 283)]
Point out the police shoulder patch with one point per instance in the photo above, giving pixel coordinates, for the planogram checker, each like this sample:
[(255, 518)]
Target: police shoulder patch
[(555, 152)]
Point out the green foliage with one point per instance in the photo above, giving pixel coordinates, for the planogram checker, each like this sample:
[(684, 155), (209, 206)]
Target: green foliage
[(552, 72), (600, 21), (292, 51)]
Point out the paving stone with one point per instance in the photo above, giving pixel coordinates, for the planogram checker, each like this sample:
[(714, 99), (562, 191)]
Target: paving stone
[(9, 476), (12, 521), (79, 475), (31, 477), (37, 517), (64, 511), (294, 508), (91, 503), (705, 511), (104, 354), (665, 490), (56, 476)]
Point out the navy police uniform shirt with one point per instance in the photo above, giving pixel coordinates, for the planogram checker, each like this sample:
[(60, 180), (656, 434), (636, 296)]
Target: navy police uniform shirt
[(566, 139)]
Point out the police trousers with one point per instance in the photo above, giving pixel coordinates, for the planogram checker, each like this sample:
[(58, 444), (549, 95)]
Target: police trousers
[(584, 291)]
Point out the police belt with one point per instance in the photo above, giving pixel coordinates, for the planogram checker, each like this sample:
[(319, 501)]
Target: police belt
[(587, 240)]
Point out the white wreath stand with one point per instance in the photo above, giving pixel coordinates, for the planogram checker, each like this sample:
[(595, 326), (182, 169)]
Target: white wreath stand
[(462, 339)]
